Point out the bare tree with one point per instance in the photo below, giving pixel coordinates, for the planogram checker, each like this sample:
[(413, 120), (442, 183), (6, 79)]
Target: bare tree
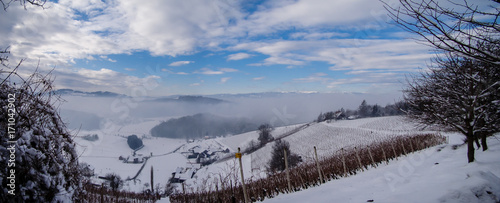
[(463, 28), (6, 3), (277, 162), (115, 181), (364, 110), (265, 134), (459, 92)]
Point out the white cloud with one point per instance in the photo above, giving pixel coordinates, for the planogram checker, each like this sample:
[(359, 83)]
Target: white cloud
[(59, 35), (130, 69), (228, 70), (283, 61), (224, 80), (102, 79), (172, 72), (182, 73), (238, 56), (208, 71), (176, 27), (169, 27), (317, 77), (194, 84), (180, 63), (51, 35), (259, 78), (369, 78), (343, 54), (83, 5), (284, 14), (317, 35)]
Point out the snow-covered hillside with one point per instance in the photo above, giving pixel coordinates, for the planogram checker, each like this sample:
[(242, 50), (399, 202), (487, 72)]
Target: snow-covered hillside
[(331, 137), (328, 137), (437, 174)]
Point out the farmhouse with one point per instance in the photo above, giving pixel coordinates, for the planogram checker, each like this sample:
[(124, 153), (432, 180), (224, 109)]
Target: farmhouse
[(134, 159), (182, 174)]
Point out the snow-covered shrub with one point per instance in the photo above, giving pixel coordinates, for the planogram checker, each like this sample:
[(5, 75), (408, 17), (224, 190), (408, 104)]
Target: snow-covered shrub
[(37, 152), (115, 181)]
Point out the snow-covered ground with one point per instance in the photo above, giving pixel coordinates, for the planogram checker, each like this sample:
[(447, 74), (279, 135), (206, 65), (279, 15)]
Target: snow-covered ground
[(329, 137), (103, 154), (437, 174)]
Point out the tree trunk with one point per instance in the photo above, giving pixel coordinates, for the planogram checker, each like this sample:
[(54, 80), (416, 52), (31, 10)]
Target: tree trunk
[(483, 141), (476, 138), (470, 148)]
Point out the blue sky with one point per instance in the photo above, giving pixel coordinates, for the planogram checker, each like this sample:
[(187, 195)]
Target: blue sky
[(211, 47)]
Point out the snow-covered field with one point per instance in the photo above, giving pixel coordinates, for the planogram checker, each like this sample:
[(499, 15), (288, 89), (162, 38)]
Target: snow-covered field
[(242, 140), (103, 154), (437, 174), (331, 137), (327, 137)]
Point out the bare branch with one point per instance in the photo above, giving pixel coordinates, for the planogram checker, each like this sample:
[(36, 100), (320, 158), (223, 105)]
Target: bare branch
[(23, 3), (461, 30)]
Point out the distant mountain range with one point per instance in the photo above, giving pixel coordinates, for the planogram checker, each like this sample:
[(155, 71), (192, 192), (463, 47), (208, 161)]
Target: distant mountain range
[(206, 99), (91, 94), (191, 99), (174, 98)]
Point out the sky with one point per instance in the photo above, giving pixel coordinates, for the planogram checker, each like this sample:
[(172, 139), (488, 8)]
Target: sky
[(161, 48)]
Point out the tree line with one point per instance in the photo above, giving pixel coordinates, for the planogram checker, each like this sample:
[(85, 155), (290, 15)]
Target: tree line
[(364, 110), (201, 125)]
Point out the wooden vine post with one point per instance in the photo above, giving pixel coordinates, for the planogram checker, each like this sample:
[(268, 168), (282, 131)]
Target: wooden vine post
[(371, 157), (317, 165), (152, 183), (359, 159), (385, 157), (238, 156), (393, 150), (343, 162), (404, 150), (287, 172)]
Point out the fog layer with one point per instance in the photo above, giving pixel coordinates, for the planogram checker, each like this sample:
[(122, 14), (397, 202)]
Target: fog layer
[(277, 109)]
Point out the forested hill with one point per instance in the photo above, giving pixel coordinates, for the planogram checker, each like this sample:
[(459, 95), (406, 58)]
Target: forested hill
[(200, 125), (192, 99)]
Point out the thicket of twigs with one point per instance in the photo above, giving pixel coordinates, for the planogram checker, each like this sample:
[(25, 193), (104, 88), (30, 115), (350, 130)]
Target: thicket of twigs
[(343, 163), (98, 194)]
